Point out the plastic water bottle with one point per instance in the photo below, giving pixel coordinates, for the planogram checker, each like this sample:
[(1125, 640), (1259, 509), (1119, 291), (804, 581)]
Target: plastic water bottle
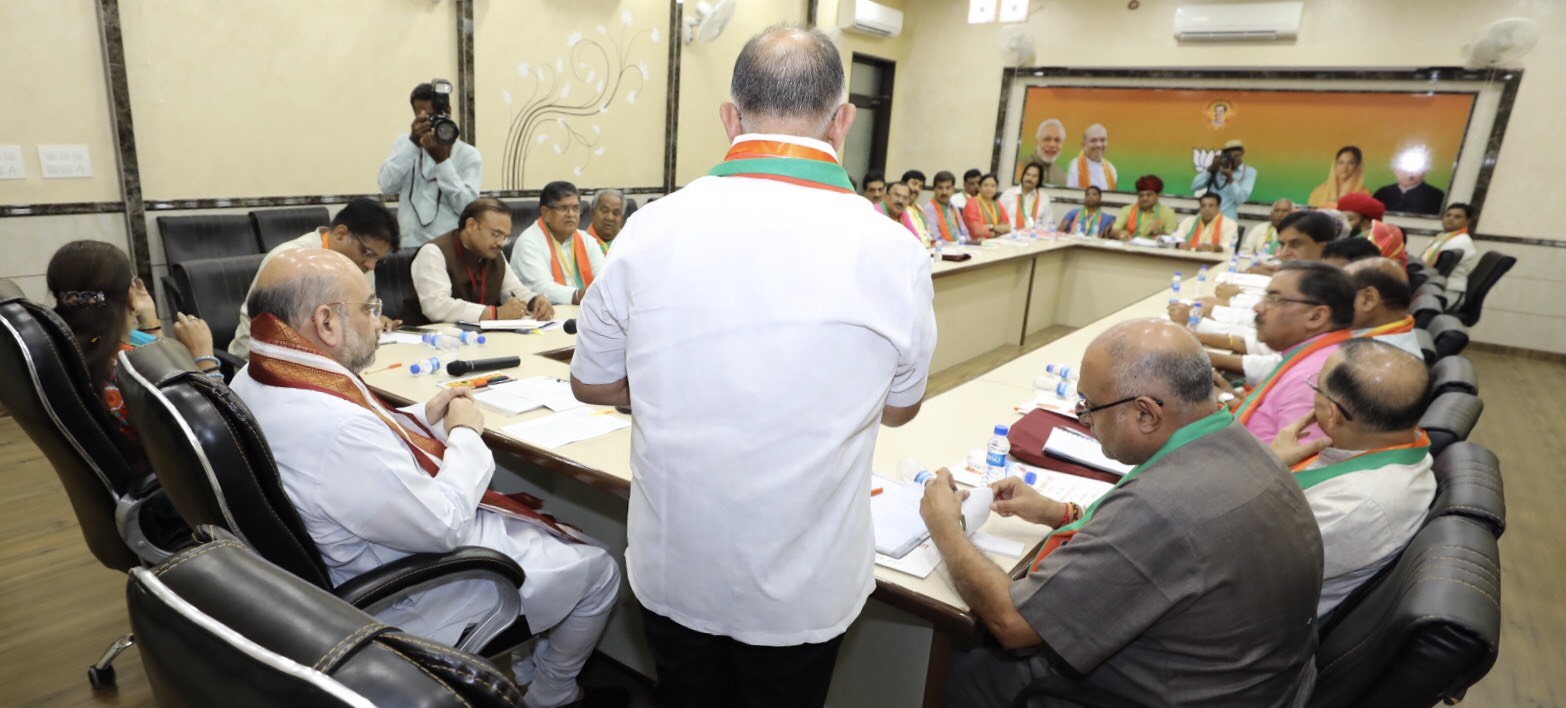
[(909, 470), (1201, 282), (1196, 316), (1174, 287), (425, 366), (1028, 476), (995, 460), (1046, 385), (444, 342), (469, 338), (1234, 267), (936, 244), (1255, 259), (1065, 373)]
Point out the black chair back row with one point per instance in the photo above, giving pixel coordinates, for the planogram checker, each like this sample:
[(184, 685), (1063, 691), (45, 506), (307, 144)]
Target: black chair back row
[(394, 281), (218, 625), (214, 288), (1450, 417), (187, 238), (1448, 335), (1486, 273)]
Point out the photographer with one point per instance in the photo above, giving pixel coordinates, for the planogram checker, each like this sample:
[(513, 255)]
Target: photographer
[(1228, 177), (431, 170)]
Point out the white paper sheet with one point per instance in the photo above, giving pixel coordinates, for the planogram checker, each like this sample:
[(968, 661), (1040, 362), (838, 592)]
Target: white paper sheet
[(546, 390), (523, 325), (501, 400), (1252, 281), (400, 338), (919, 562), (563, 429), (997, 545), (894, 514), (1081, 449)]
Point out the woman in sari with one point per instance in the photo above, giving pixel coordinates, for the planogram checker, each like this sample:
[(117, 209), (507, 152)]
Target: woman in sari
[(1347, 177)]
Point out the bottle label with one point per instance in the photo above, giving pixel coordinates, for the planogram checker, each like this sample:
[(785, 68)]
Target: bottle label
[(996, 460)]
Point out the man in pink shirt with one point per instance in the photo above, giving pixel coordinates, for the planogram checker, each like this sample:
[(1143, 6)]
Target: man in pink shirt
[(1307, 313)]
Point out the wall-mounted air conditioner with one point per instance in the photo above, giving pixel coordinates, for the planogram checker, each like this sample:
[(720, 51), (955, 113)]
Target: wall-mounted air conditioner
[(1257, 21), (874, 18)]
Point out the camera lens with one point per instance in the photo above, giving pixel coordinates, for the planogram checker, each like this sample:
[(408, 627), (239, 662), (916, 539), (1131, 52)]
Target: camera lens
[(445, 129)]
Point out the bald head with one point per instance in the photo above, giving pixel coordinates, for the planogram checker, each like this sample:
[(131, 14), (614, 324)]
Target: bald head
[(1383, 388), (1393, 296), (788, 79), (1156, 358)]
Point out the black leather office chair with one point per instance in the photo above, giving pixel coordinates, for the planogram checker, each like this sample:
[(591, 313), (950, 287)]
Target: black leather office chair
[(1492, 265), (220, 626), (1468, 484), (1433, 289), (1450, 418), (214, 290), (1448, 334), (524, 212), (124, 517), (1453, 373), (1425, 309), (274, 226), (9, 290), (1445, 262), (187, 238), (1426, 346), (1426, 633), (214, 463), (394, 280)]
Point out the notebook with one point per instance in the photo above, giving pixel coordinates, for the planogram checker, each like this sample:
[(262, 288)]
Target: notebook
[(1069, 444)]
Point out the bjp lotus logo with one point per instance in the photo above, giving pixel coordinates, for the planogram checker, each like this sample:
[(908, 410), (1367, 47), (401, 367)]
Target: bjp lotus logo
[(1201, 158)]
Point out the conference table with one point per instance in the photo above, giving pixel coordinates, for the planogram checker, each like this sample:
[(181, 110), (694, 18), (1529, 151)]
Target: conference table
[(895, 654)]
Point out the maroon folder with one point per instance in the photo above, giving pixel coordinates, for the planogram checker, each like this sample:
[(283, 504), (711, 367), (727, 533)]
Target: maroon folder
[(1027, 438)]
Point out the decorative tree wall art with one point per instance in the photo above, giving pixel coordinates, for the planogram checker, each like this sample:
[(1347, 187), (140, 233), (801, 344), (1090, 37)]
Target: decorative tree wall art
[(596, 73)]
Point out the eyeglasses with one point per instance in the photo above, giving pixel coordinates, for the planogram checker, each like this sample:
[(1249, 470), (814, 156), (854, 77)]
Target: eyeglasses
[(365, 252), (1083, 410), (374, 306), (568, 208), (1312, 381), (1272, 299)]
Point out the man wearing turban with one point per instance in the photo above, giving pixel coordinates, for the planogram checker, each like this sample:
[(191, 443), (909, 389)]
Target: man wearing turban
[(1364, 214), (1146, 218)]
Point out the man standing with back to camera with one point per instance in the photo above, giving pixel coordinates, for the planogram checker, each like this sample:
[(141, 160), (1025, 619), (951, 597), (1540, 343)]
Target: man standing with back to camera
[(434, 180), (756, 410)]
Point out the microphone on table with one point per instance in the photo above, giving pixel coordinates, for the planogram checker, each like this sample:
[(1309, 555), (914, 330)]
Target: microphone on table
[(460, 368), (570, 326)]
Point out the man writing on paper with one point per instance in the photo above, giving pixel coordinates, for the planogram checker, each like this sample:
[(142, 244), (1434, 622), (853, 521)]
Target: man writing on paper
[(1207, 230), (1306, 313), (552, 257), (374, 484), (1146, 218), (1193, 581), (1371, 488), (756, 412), (364, 230), (463, 274)]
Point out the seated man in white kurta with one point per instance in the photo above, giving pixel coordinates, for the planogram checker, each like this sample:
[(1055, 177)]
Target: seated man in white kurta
[(553, 258), (1371, 489), (374, 484)]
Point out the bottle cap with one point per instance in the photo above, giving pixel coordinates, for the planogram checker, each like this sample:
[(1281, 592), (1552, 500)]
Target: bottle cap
[(1031, 478), (482, 339), (1002, 429)]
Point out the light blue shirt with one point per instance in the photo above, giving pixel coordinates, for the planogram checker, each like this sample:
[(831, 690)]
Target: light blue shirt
[(430, 194), (140, 339), (1233, 193)]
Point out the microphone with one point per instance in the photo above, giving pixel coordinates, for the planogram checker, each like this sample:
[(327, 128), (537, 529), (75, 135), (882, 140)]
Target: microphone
[(460, 368), (570, 326)]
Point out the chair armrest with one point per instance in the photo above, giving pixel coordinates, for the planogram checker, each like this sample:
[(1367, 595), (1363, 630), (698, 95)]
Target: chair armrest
[(228, 363), (378, 589), (1064, 688)]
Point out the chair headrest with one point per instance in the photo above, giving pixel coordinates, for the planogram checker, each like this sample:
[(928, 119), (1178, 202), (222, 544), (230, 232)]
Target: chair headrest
[(1425, 302), (1426, 345), (218, 625), (9, 290), (1454, 373), (47, 390), (1453, 412), (1468, 483), (1428, 631), (212, 458)]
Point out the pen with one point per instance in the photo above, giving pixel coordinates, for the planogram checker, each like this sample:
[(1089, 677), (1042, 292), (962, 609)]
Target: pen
[(605, 411), (877, 490), (384, 368)]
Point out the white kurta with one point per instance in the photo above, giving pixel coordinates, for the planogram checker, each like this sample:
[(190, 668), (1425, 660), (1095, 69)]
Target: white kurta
[(240, 345), (762, 327), (367, 503), (531, 260), (433, 285), (1046, 212), (1366, 518)]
